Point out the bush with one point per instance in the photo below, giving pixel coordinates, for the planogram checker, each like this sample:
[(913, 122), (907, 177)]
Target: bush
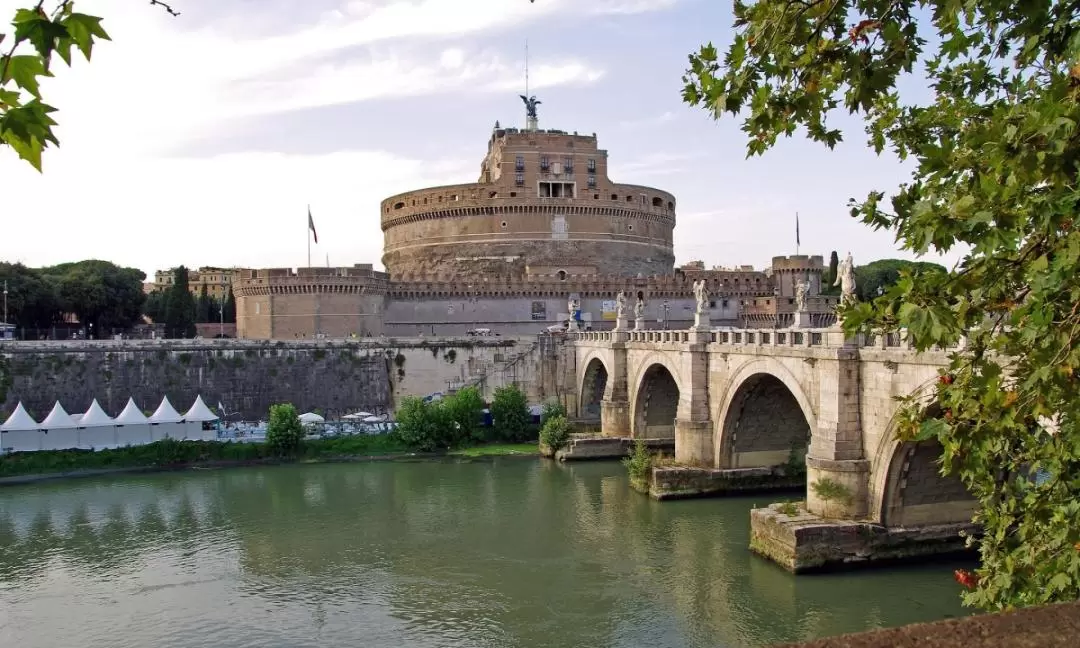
[(638, 465), (418, 424), (465, 409), (555, 433), (510, 414), (284, 434), (552, 408)]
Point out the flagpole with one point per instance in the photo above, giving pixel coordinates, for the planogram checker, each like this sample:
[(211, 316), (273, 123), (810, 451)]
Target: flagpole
[(307, 232), (797, 242)]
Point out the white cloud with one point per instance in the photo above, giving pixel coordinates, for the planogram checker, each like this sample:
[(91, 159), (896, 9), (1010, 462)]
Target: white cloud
[(639, 169), (110, 192)]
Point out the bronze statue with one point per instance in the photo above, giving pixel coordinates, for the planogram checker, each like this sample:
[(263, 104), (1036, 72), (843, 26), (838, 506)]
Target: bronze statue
[(530, 105)]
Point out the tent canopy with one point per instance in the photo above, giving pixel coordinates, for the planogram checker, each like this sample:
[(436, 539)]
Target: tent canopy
[(311, 417), (165, 413), (19, 420), (131, 415), (356, 416), (57, 419), (199, 412), (95, 416)]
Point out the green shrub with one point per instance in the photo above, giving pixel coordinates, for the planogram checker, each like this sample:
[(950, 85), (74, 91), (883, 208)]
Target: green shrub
[(551, 409), (465, 409), (284, 433), (510, 414), (555, 433), (638, 465), (419, 425)]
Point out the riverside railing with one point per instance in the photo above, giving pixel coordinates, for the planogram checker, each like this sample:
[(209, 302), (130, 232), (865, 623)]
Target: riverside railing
[(751, 337)]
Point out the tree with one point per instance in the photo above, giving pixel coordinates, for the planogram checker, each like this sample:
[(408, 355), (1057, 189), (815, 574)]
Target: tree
[(27, 55), (154, 306), (179, 307), (828, 278), (203, 306), (230, 307), (465, 408), (103, 295), (32, 301), (284, 433), (510, 414), (884, 273), (995, 153), (420, 424)]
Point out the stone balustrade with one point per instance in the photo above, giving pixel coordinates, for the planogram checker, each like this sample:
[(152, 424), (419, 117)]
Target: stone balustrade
[(745, 337)]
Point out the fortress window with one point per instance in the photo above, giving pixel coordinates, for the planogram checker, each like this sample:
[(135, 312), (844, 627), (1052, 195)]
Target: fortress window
[(492, 194), (670, 206), (519, 163), (656, 202), (503, 224), (590, 166), (629, 199), (596, 196), (568, 165), (723, 303), (592, 181), (513, 194), (519, 179), (556, 190), (630, 227), (453, 198), (614, 196), (544, 163), (399, 205), (562, 275)]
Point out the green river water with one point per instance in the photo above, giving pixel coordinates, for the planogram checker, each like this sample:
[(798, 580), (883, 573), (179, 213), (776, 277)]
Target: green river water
[(501, 553)]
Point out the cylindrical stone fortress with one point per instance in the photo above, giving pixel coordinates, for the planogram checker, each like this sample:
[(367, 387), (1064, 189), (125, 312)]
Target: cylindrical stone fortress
[(543, 205)]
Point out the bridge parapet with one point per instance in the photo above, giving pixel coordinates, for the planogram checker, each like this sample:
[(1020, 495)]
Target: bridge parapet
[(831, 337)]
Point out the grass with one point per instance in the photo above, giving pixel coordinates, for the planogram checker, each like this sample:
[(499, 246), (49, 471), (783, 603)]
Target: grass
[(497, 450), (170, 453)]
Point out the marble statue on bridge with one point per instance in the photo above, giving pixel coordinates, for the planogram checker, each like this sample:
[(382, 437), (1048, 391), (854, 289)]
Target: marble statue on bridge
[(845, 278), (620, 305), (800, 296), (701, 296)]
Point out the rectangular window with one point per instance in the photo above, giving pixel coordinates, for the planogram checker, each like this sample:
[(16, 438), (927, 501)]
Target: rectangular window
[(519, 179), (519, 163), (592, 181), (591, 165), (568, 164), (556, 190), (544, 162)]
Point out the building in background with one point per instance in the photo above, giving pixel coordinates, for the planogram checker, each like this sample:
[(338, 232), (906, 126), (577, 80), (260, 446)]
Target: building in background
[(543, 224), (217, 281)]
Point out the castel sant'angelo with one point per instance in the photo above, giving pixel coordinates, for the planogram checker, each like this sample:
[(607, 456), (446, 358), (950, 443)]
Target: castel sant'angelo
[(544, 224)]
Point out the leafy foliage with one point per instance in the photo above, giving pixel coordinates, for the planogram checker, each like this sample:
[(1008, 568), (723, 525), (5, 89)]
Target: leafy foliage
[(551, 409), (995, 155), (179, 307), (885, 273), (555, 432), (284, 433), (510, 414), (638, 465), (98, 292), (465, 408), (25, 120)]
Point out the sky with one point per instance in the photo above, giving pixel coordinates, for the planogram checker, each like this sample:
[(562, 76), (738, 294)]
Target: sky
[(202, 139)]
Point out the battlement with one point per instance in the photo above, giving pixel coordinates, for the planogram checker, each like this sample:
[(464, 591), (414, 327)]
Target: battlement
[(798, 262)]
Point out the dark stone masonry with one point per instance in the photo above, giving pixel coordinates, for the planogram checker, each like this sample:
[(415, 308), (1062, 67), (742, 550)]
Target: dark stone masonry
[(246, 377)]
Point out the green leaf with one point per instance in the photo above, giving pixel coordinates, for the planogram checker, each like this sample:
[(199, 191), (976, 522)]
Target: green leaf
[(24, 71), (83, 29), (931, 429)]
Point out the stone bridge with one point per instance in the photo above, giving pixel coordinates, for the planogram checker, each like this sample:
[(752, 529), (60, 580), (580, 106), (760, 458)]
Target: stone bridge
[(735, 399)]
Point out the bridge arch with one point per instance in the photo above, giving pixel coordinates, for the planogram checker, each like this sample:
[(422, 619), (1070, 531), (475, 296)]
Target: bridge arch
[(593, 387), (909, 489), (763, 416), (656, 399)]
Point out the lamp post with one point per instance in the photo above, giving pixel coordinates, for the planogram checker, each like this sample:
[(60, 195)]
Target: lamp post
[(221, 312), (5, 301)]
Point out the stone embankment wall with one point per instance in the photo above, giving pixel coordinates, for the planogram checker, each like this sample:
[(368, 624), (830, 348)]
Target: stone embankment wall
[(332, 376)]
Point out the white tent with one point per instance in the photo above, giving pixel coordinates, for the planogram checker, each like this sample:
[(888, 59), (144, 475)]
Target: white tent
[(199, 421), (308, 418), (97, 430), (20, 432), (76, 417), (356, 416), (165, 422), (60, 430), (132, 427)]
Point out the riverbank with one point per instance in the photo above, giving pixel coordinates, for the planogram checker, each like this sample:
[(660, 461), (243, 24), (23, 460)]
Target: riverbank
[(169, 455)]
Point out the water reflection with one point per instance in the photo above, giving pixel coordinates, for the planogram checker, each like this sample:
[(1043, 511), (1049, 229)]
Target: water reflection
[(503, 553)]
